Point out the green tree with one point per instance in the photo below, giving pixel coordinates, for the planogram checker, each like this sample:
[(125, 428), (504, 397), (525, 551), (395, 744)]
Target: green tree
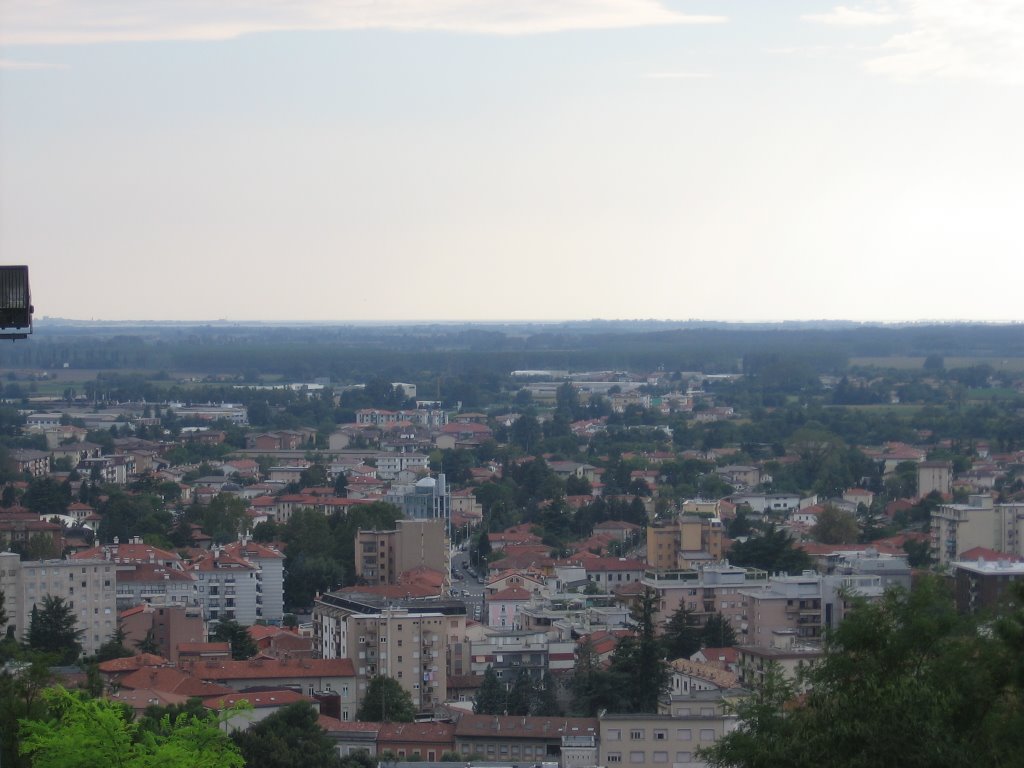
[(521, 695), (289, 738), (114, 648), (491, 696), (682, 636), (904, 681), (237, 635), (386, 701), (341, 485), (545, 703), (46, 496), (773, 551), (149, 644), (53, 629), (84, 733), (637, 661), (834, 526), (717, 632)]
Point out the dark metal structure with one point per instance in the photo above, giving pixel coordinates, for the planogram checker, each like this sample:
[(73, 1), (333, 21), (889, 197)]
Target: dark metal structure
[(15, 303)]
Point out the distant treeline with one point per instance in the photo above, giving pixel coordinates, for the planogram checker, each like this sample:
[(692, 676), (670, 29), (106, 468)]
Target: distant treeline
[(353, 353)]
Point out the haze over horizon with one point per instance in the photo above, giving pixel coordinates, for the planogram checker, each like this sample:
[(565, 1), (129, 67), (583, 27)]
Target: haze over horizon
[(451, 161)]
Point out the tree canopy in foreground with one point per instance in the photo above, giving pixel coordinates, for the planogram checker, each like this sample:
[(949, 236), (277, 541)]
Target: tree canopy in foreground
[(86, 733), (904, 682)]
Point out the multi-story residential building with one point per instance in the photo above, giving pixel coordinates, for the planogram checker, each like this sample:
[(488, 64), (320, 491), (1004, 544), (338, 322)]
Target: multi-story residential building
[(87, 586), (982, 584), (228, 587), (390, 463), (792, 658), (528, 739), (934, 476), (669, 542), (654, 741), (507, 653), (801, 606), (415, 641), (956, 528), (145, 574), (270, 585), (382, 556), (169, 625), (29, 462), (712, 589)]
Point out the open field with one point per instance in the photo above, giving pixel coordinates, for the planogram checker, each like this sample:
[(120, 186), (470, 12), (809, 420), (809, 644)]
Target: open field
[(916, 363)]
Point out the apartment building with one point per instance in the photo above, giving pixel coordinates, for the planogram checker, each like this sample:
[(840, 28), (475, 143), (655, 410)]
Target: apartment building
[(508, 653), (956, 528), (981, 585), (712, 589), (382, 556), (270, 584), (655, 741), (934, 476), (528, 739), (390, 463), (88, 586), (801, 606), (415, 641), (669, 542), (228, 587)]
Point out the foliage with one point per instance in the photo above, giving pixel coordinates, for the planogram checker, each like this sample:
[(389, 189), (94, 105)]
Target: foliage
[(21, 697), (773, 551), (386, 701), (834, 526), (114, 648), (491, 697), (682, 636), (85, 732), (904, 681), (520, 695), (289, 738), (53, 629), (637, 675), (717, 632), (237, 635)]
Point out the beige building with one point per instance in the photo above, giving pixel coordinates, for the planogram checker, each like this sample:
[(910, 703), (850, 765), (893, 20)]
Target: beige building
[(956, 528), (934, 476), (414, 641), (713, 589), (170, 625), (89, 587), (656, 741), (677, 540), (382, 556)]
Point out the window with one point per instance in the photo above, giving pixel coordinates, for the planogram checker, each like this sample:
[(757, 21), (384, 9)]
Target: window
[(684, 757), (614, 757), (636, 757), (660, 757), (637, 734), (684, 734), (660, 735), (707, 734)]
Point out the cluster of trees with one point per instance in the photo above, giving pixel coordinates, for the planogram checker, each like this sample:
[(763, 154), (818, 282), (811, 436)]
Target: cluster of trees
[(321, 549), (523, 696), (904, 681), (637, 675)]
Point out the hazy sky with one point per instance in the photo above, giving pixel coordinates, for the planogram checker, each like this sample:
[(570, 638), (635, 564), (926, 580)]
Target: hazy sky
[(507, 159)]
